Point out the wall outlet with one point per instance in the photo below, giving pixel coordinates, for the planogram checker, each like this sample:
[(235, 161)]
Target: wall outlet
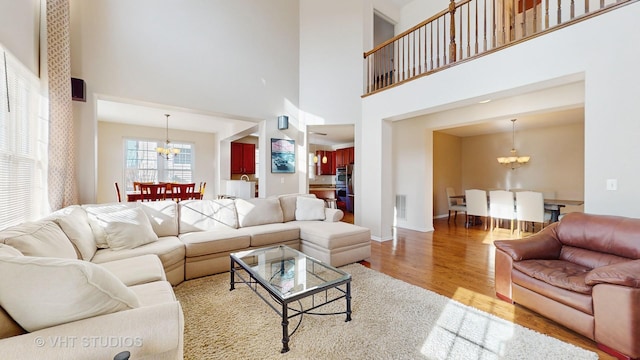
[(612, 184), (281, 180)]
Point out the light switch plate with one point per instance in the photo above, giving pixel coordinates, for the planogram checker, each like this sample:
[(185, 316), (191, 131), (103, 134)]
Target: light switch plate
[(612, 184)]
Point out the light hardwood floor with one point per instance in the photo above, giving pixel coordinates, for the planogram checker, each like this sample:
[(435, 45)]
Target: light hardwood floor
[(458, 263)]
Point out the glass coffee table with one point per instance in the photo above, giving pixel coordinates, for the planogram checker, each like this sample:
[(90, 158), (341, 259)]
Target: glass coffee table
[(289, 276)]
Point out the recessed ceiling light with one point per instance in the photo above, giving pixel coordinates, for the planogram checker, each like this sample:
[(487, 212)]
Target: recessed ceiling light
[(484, 101)]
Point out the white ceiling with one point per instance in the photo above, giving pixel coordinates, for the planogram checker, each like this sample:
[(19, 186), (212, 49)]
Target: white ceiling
[(525, 122), (152, 115), (331, 134)]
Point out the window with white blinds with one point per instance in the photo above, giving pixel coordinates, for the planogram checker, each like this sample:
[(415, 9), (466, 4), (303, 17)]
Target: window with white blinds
[(142, 163), (23, 144)]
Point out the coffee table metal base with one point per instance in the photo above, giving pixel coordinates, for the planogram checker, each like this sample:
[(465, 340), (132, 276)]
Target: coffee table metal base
[(238, 271)]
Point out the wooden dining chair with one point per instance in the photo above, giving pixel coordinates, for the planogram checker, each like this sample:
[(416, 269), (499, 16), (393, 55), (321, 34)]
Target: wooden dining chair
[(203, 185), (153, 192), (118, 192), (184, 192)]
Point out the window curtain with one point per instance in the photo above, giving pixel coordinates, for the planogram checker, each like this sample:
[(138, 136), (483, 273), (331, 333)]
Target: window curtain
[(62, 183)]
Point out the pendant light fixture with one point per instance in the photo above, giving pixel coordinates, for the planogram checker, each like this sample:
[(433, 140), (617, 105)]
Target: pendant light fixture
[(513, 160), (167, 151)]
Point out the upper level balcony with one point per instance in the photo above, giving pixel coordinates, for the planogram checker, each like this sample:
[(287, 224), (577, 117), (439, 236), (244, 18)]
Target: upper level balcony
[(468, 29)]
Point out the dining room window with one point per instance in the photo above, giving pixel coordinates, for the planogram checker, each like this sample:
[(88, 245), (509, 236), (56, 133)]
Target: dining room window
[(143, 164)]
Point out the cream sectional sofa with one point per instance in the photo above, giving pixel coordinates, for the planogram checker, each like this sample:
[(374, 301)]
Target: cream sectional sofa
[(100, 275)]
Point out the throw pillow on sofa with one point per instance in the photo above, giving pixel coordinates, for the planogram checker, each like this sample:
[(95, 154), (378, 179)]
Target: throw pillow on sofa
[(39, 238), (128, 229), (288, 205), (95, 213), (309, 208), (74, 222), (44, 292)]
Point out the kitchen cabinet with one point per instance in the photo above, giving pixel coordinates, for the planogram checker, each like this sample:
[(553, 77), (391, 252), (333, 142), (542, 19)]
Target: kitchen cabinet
[(328, 168), (243, 158), (344, 156)]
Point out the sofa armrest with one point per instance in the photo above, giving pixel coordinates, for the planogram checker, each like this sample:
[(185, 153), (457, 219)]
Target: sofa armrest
[(145, 332), (626, 274), (333, 215), (542, 245)]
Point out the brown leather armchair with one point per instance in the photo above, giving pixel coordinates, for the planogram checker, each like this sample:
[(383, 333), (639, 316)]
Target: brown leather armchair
[(584, 273)]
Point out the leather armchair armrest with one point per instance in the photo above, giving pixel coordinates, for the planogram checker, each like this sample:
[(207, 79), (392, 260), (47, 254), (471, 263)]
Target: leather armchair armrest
[(625, 274), (543, 245)]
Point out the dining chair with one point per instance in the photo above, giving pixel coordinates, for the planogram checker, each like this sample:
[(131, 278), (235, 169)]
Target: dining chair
[(455, 205), (476, 205), (118, 192), (530, 208), (203, 185), (549, 194), (184, 192), (501, 206), (153, 192)]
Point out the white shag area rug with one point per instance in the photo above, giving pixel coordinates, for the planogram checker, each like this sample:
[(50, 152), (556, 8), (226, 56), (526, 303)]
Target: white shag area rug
[(391, 320)]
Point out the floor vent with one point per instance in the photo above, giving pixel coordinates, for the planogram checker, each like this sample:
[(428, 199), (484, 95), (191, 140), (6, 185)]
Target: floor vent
[(401, 206)]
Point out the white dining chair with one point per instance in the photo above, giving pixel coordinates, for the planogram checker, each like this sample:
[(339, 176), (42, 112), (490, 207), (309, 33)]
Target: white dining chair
[(530, 208), (455, 204), (501, 206), (476, 205)]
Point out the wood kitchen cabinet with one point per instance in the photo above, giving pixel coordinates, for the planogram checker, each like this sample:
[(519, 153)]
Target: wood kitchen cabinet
[(330, 167), (344, 156), (243, 158)]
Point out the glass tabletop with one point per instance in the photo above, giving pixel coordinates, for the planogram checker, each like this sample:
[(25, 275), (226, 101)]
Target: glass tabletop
[(288, 272)]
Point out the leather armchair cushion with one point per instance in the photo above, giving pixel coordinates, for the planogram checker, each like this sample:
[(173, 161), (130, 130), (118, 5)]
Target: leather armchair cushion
[(560, 273), (626, 274)]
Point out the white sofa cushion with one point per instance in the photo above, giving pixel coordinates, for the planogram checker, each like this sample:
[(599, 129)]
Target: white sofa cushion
[(39, 238), (74, 222), (128, 229), (44, 292), (309, 209), (204, 215), (6, 250), (252, 212)]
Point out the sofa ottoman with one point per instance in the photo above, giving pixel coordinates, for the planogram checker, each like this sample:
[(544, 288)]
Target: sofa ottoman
[(335, 243)]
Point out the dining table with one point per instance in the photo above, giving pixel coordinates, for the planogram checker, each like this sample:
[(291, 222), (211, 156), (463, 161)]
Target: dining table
[(551, 205)]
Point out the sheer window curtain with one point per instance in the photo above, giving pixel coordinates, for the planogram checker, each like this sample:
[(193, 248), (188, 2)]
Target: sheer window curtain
[(62, 182)]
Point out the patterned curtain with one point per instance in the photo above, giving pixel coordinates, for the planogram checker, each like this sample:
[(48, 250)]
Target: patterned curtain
[(62, 181)]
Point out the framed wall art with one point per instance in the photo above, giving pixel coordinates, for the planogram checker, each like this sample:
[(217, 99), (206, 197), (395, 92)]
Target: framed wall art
[(283, 156)]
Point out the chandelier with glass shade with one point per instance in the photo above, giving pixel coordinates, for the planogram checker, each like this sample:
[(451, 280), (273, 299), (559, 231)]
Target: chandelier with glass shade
[(513, 161), (167, 151)]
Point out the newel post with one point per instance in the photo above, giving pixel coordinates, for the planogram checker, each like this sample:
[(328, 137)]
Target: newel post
[(452, 32)]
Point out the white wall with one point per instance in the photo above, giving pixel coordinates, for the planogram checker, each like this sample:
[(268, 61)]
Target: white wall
[(331, 47), (111, 156), (230, 57), (597, 50), (20, 31)]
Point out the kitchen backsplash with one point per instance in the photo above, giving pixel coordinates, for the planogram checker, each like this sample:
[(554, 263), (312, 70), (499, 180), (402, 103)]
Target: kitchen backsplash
[(322, 180)]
